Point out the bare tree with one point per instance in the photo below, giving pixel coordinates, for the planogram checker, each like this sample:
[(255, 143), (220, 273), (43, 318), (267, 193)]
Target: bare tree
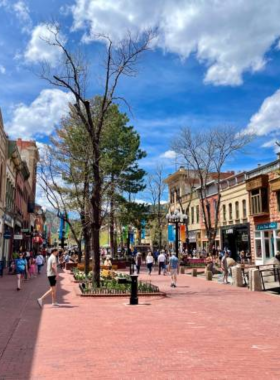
[(72, 75), (206, 152), (157, 189)]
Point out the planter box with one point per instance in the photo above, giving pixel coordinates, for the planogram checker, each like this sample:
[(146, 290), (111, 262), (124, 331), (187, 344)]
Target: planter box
[(70, 265)]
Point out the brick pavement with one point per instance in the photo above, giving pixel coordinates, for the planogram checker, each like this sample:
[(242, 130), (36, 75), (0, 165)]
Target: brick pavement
[(201, 330)]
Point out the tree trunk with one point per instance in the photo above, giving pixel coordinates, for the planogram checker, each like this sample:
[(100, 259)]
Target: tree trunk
[(87, 248), (160, 239), (112, 226), (96, 257), (79, 251)]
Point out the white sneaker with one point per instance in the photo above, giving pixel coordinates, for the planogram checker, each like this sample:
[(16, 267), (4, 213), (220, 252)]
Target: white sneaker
[(40, 302), (55, 304)]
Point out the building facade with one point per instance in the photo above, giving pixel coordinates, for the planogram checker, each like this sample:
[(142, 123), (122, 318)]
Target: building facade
[(263, 186), (3, 159), (234, 215)]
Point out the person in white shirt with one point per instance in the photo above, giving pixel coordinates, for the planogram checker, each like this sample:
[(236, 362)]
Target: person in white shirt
[(52, 275), (161, 262), (150, 262)]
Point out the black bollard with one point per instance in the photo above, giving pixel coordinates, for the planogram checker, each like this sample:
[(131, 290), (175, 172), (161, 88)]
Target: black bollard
[(134, 290)]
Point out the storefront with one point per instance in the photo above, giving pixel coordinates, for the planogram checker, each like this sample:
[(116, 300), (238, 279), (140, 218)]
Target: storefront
[(236, 238), (8, 234), (192, 243), (267, 241)]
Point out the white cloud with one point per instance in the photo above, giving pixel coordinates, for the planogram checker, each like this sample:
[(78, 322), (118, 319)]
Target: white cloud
[(230, 37), (41, 116), (168, 154), (38, 50), (267, 119), (3, 3), (22, 13), (2, 69)]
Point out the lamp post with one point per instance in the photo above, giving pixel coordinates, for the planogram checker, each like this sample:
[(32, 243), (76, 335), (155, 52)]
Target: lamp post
[(176, 218)]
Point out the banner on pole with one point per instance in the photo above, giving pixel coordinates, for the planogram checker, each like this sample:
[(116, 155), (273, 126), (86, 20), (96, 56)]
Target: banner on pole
[(183, 233), (131, 237), (171, 234)]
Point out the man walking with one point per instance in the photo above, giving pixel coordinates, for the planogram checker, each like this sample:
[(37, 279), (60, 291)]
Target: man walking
[(161, 262), (52, 275), (224, 265), (138, 261), (173, 268)]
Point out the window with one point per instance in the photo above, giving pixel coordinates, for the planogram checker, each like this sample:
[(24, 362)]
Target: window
[(197, 214), (215, 205), (259, 201), (277, 238), (230, 211), (278, 200), (236, 210), (192, 214), (224, 213), (244, 209)]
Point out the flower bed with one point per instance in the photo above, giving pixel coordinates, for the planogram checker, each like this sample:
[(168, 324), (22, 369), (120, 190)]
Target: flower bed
[(111, 286)]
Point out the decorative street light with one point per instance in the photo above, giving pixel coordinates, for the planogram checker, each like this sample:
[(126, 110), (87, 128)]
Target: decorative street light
[(176, 218)]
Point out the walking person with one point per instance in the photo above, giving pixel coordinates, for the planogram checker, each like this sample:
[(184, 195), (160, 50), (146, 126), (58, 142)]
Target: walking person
[(224, 266), (149, 262), (39, 262), (173, 269), (21, 269), (32, 268), (138, 261), (52, 275), (161, 262)]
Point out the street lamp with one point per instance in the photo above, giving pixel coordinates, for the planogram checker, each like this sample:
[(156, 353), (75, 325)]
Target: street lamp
[(176, 218)]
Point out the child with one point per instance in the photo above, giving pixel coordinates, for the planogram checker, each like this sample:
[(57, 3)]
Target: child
[(32, 268)]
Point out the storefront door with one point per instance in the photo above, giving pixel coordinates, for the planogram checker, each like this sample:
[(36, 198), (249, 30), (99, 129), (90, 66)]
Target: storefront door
[(268, 245)]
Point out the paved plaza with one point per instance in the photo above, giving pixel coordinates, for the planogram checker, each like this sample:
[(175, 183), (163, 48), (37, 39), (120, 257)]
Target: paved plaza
[(200, 330)]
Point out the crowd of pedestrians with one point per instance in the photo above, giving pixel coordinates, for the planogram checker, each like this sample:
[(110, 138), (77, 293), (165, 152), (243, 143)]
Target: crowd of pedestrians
[(163, 261)]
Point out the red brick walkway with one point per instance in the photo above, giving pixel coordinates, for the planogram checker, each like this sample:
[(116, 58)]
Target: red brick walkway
[(201, 330)]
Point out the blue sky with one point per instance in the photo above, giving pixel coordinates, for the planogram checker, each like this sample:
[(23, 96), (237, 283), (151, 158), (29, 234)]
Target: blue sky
[(213, 63)]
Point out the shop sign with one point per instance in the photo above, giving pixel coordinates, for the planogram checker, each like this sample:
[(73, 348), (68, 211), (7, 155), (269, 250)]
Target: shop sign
[(25, 230), (267, 226), (192, 236), (7, 235), (229, 231), (245, 237), (18, 237)]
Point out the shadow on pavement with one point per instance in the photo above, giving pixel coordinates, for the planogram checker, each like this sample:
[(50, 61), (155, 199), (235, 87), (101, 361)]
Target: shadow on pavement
[(20, 318)]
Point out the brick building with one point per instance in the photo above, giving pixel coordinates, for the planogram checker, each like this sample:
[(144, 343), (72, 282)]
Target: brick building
[(263, 186), (3, 158), (30, 154)]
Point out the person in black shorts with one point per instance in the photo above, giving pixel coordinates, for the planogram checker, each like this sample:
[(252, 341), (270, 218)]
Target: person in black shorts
[(52, 275)]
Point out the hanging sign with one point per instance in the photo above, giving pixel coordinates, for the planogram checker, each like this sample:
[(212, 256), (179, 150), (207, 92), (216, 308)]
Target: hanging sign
[(18, 237), (7, 235)]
